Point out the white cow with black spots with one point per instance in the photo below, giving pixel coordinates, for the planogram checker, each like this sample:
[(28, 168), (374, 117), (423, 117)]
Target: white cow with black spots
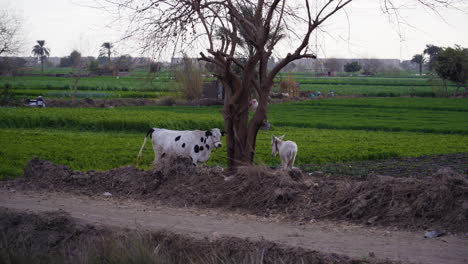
[(196, 144), (287, 151)]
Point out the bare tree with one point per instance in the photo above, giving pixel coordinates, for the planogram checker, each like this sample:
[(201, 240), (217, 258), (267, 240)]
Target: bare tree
[(10, 27), (333, 65), (371, 66), (238, 37)]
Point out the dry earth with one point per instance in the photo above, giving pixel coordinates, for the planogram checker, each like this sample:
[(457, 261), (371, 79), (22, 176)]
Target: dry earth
[(327, 237), (376, 215)]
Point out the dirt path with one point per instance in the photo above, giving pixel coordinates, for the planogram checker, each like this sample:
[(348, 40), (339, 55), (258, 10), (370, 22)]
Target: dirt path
[(344, 239)]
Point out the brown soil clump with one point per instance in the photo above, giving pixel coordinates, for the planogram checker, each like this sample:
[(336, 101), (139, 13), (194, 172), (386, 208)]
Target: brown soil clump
[(387, 200), (54, 237), (438, 200), (42, 232)]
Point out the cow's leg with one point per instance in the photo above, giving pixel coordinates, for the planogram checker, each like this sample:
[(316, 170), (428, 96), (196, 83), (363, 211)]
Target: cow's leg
[(194, 159), (157, 154)]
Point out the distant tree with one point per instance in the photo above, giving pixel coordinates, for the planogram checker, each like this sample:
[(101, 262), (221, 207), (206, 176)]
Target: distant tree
[(419, 59), (64, 62), (72, 60), (188, 75), (106, 49), (80, 68), (333, 64), (41, 52), (11, 65), (371, 66), (154, 69), (452, 65), (93, 66), (102, 60), (432, 51), (124, 62), (352, 67), (10, 28), (75, 58)]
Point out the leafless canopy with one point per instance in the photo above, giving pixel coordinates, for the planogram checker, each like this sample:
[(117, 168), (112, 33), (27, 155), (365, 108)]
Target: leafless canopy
[(10, 26)]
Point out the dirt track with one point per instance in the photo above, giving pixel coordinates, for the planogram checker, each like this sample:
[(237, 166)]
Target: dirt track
[(344, 239)]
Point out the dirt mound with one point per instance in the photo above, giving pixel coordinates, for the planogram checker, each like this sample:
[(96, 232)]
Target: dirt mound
[(439, 200), (54, 237), (41, 232), (418, 167), (258, 188)]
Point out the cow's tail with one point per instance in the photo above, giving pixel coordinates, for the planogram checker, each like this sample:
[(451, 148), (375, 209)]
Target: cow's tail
[(140, 154)]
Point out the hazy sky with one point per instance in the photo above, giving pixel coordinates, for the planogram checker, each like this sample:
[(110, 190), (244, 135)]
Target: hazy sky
[(71, 24)]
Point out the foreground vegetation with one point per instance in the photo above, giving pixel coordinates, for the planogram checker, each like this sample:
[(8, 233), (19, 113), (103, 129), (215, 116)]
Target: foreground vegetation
[(326, 131)]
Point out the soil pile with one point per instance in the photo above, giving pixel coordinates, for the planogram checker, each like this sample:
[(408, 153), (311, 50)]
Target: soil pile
[(44, 232), (439, 200), (55, 237), (418, 167)]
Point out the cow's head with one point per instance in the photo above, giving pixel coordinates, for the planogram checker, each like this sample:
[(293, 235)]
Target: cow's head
[(214, 137), (274, 144)]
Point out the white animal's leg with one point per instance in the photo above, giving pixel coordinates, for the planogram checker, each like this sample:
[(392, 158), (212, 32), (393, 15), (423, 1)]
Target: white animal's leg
[(284, 162), (292, 159)]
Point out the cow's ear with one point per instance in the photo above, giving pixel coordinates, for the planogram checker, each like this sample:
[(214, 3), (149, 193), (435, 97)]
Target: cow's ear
[(223, 133), (281, 137), (208, 133)]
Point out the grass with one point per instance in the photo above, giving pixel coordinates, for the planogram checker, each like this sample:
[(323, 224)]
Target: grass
[(326, 131), (139, 83), (443, 116)]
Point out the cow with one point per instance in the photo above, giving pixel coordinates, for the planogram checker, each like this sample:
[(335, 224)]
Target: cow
[(196, 144), (287, 151)]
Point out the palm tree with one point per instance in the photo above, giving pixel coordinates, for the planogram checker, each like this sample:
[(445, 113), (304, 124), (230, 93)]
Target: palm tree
[(107, 46), (419, 59), (41, 52)]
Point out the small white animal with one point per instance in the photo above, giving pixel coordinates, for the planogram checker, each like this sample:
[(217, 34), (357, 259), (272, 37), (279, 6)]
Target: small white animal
[(253, 104), (287, 151)]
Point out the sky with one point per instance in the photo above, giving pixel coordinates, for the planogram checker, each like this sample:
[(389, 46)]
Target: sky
[(362, 32)]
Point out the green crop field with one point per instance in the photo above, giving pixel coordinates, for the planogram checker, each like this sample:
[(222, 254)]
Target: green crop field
[(140, 84), (326, 131)]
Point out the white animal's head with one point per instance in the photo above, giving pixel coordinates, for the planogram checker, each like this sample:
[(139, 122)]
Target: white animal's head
[(214, 137), (275, 141), (253, 104)]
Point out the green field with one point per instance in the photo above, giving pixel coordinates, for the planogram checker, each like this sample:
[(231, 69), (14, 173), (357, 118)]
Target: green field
[(139, 84), (326, 131)]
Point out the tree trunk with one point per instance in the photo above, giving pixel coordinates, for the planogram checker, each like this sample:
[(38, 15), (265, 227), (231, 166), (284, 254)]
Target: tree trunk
[(42, 64), (236, 117), (241, 134), (75, 88), (420, 69)]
